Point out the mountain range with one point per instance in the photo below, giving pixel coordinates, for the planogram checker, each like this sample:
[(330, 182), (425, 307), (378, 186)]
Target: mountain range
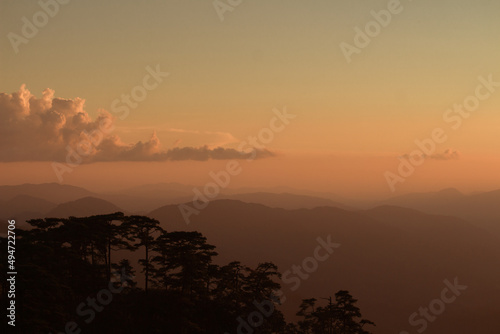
[(393, 255)]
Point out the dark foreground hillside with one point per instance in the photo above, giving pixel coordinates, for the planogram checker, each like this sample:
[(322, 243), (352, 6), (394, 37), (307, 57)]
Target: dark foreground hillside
[(394, 260)]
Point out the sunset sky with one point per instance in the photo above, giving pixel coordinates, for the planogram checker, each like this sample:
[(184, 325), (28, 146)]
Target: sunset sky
[(352, 119)]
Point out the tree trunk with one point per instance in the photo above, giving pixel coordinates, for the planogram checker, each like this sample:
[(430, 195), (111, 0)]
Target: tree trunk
[(147, 262), (109, 259)]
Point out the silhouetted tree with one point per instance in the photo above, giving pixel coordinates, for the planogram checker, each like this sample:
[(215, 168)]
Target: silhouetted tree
[(109, 235), (342, 317), (141, 231), (183, 261), (64, 262)]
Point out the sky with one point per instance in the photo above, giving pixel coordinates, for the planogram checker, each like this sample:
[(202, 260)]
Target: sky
[(231, 69)]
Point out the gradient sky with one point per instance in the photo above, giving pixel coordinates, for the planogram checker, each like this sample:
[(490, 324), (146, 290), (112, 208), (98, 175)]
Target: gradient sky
[(353, 120)]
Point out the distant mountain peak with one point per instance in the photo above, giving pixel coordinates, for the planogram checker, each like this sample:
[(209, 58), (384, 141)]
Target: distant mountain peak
[(450, 191), (52, 192), (86, 206)]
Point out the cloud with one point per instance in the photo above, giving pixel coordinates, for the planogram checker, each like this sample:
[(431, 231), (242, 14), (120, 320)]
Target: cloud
[(448, 154), (112, 149), (51, 129), (221, 138)]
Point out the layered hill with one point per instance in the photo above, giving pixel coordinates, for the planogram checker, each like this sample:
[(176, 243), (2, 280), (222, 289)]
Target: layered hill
[(393, 259), (86, 206)]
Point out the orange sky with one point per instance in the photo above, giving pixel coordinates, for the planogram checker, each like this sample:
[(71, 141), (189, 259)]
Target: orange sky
[(353, 119)]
